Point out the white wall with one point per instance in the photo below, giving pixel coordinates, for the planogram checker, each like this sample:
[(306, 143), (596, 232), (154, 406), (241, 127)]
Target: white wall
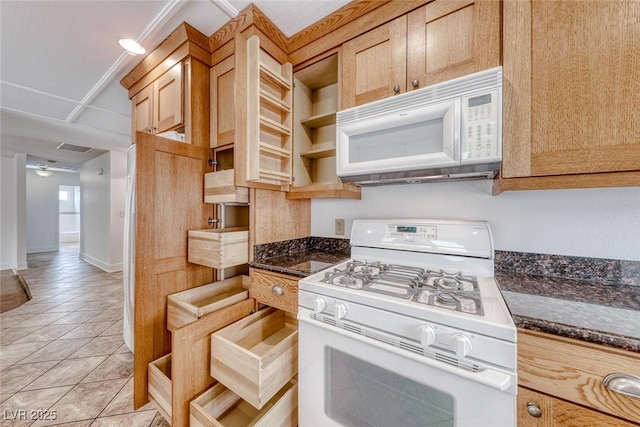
[(103, 197), (118, 198), (13, 253), (601, 223), (42, 228)]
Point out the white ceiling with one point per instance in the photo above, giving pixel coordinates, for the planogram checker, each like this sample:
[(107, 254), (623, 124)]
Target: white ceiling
[(60, 64)]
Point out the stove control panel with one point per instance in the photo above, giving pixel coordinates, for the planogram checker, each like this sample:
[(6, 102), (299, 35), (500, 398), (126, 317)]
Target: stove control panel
[(407, 231)]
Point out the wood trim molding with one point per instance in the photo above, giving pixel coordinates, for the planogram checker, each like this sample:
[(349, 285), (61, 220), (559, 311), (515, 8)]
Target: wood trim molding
[(183, 34), (349, 29), (557, 182), (346, 14), (249, 16)]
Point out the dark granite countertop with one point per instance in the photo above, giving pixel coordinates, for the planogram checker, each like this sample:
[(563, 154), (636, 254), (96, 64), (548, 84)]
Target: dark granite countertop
[(594, 300), (300, 264), (607, 314), (301, 257)]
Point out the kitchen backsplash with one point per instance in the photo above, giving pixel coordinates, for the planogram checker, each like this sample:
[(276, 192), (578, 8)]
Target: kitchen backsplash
[(304, 244), (603, 271)]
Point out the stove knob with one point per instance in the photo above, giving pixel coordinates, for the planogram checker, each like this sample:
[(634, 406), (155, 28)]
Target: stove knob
[(427, 335), (319, 305), (341, 310), (461, 344)]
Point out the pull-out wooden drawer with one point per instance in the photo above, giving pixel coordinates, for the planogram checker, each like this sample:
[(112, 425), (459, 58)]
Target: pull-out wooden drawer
[(256, 356), (220, 407), (574, 370), (275, 290), (188, 306), (219, 248), (219, 187), (160, 385)]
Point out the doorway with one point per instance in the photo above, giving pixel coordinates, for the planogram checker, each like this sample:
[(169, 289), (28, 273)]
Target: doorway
[(69, 215)]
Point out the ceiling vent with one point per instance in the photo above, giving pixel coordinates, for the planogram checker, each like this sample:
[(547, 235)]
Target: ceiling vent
[(71, 147)]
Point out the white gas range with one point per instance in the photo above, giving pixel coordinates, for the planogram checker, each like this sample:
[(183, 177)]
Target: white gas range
[(412, 330)]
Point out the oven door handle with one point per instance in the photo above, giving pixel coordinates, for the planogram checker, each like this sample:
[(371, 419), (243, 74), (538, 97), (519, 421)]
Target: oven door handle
[(488, 377)]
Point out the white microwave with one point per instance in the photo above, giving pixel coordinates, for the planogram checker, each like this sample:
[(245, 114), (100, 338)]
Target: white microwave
[(449, 130)]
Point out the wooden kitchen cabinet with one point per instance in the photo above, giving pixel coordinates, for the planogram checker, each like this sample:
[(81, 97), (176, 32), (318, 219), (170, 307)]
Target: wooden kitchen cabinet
[(316, 100), (158, 107), (178, 377), (169, 89), (251, 101), (540, 410), (563, 377), (437, 42), (571, 94)]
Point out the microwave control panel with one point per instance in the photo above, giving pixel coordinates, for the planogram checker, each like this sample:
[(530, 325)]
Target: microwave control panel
[(481, 126)]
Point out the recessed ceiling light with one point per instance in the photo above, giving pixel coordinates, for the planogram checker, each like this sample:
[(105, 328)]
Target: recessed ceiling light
[(131, 46)]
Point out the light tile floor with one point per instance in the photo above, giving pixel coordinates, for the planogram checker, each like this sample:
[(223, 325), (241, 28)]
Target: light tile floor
[(62, 352)]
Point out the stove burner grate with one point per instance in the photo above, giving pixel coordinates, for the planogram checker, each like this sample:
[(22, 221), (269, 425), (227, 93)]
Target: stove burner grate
[(453, 291)]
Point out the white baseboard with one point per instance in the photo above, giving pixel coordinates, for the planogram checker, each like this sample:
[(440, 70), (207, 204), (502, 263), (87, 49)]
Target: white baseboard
[(39, 249), (109, 268), (23, 266)]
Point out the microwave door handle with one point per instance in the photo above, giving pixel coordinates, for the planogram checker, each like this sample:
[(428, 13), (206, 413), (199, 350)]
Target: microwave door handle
[(451, 131)]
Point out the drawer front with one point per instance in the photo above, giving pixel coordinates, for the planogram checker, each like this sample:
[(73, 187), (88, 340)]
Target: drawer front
[(573, 370), (275, 290), (539, 410)]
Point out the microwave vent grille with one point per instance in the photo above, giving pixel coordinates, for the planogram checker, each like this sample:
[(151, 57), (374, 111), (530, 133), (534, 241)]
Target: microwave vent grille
[(438, 92)]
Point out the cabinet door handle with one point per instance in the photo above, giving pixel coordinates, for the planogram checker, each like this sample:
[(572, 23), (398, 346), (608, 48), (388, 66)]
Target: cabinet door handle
[(622, 383), (415, 83), (396, 88), (277, 290), (534, 410)]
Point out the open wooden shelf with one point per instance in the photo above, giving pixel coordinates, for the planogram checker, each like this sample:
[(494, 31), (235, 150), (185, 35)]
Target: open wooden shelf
[(272, 150), (275, 102), (325, 190), (274, 78), (320, 151), (320, 120)]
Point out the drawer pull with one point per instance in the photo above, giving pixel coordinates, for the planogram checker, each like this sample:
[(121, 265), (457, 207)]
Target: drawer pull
[(626, 384), (534, 410), (277, 290)]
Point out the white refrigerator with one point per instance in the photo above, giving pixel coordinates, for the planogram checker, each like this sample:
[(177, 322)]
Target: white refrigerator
[(129, 248)]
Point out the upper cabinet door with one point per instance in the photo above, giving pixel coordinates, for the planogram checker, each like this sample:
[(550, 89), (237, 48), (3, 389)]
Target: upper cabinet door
[(374, 64), (572, 89), (168, 100), (142, 104), (449, 39), (223, 77)]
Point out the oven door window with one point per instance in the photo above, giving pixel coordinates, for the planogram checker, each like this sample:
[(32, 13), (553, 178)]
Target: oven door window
[(358, 393)]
